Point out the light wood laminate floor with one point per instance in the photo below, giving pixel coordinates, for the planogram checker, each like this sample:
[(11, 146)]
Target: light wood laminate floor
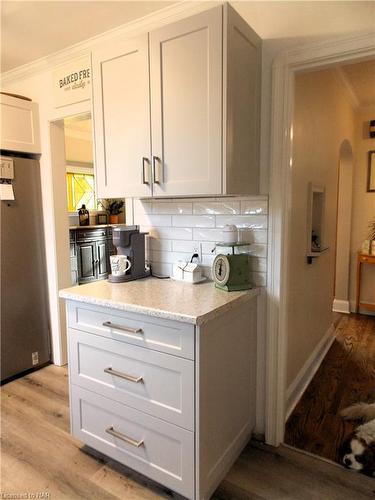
[(40, 456), (346, 376)]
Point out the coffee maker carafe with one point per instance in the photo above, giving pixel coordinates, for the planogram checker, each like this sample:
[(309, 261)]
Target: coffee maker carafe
[(129, 241)]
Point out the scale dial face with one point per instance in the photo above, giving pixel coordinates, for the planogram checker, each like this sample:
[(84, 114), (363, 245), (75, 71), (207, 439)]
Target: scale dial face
[(221, 269)]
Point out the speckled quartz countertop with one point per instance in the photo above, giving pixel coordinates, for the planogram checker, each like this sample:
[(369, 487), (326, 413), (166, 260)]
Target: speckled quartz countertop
[(165, 298)]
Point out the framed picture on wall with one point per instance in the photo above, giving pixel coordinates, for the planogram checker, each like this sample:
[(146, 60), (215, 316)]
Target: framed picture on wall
[(371, 172)]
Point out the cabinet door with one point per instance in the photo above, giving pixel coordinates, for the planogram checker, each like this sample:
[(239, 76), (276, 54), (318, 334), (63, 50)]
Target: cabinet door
[(122, 119), (86, 255), (101, 258), (20, 125), (186, 105)]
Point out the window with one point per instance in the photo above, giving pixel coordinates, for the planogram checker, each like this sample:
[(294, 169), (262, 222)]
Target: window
[(81, 191)]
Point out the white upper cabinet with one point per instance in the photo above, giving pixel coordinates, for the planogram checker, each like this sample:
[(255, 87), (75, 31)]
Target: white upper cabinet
[(194, 85), (19, 125), (122, 119), (186, 102)]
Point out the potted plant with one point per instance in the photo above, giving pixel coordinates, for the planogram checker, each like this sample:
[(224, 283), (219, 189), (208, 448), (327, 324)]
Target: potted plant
[(113, 207)]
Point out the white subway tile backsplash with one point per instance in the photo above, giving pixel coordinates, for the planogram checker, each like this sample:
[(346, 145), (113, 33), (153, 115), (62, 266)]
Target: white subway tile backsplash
[(169, 257), (258, 279), (193, 221), (207, 234), (153, 220), (258, 264), (169, 233), (142, 207), (184, 246), (258, 250), (158, 244), (172, 208), (216, 207), (258, 236), (178, 227), (251, 221), (254, 207), (208, 247)]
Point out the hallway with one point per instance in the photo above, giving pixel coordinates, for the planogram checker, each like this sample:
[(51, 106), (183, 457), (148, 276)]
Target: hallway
[(346, 376)]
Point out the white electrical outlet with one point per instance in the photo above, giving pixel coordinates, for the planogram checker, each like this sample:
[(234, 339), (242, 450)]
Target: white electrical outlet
[(35, 358), (198, 249)]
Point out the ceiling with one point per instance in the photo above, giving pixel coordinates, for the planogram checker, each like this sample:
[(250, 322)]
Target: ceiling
[(307, 19), (32, 29), (361, 79)]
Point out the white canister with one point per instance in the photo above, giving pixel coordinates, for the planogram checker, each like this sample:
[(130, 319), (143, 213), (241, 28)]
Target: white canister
[(230, 234)]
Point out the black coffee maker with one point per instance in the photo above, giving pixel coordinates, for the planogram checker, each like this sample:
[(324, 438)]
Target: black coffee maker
[(129, 241)]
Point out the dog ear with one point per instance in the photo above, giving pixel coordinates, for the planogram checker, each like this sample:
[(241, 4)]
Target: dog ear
[(345, 447), (367, 459)]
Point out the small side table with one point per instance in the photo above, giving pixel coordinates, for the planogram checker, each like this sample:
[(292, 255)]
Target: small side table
[(363, 258)]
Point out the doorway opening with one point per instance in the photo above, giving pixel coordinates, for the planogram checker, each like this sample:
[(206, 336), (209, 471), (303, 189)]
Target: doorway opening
[(82, 253), (330, 353), (341, 302)]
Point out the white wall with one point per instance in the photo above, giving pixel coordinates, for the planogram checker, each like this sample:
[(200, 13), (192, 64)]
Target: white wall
[(323, 118), (78, 149), (363, 206)]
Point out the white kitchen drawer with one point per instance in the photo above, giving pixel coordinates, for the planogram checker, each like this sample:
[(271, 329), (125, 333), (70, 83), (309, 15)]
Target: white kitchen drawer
[(159, 334), (154, 382), (157, 449)]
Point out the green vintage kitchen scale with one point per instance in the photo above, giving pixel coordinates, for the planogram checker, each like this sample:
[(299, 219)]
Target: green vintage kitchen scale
[(231, 272)]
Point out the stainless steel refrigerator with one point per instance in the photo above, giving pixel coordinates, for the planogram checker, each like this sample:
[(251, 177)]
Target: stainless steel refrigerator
[(25, 336)]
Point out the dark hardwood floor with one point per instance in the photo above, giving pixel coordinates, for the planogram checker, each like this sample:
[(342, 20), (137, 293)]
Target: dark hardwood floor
[(39, 457), (346, 376)]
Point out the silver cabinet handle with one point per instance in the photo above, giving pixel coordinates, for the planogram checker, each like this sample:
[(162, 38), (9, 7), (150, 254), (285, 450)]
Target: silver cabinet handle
[(144, 162), (122, 328), (120, 435), (111, 371), (154, 160)]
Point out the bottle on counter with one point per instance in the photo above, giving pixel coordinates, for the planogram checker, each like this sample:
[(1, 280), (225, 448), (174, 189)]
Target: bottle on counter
[(84, 216)]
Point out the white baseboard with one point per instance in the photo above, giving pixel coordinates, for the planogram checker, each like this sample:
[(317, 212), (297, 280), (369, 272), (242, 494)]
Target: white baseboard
[(341, 306), (307, 372), (361, 311)]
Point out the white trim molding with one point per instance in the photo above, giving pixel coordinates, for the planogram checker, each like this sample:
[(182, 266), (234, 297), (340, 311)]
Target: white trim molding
[(296, 389), (341, 306), (131, 29), (313, 56)]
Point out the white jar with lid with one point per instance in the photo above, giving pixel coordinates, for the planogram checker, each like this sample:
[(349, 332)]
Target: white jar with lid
[(230, 234)]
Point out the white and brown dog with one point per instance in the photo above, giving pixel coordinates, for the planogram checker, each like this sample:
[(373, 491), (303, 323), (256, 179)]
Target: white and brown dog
[(358, 451)]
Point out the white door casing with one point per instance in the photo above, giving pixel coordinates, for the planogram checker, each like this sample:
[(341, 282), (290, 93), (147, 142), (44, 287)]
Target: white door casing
[(311, 56)]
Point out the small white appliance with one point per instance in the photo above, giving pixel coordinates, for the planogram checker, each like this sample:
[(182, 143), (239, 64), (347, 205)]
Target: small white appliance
[(187, 271)]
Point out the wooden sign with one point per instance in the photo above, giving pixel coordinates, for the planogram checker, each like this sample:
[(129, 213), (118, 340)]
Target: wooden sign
[(72, 82)]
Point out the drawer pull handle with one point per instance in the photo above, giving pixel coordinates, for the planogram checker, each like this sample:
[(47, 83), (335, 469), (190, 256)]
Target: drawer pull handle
[(123, 375), (123, 328), (121, 436)]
